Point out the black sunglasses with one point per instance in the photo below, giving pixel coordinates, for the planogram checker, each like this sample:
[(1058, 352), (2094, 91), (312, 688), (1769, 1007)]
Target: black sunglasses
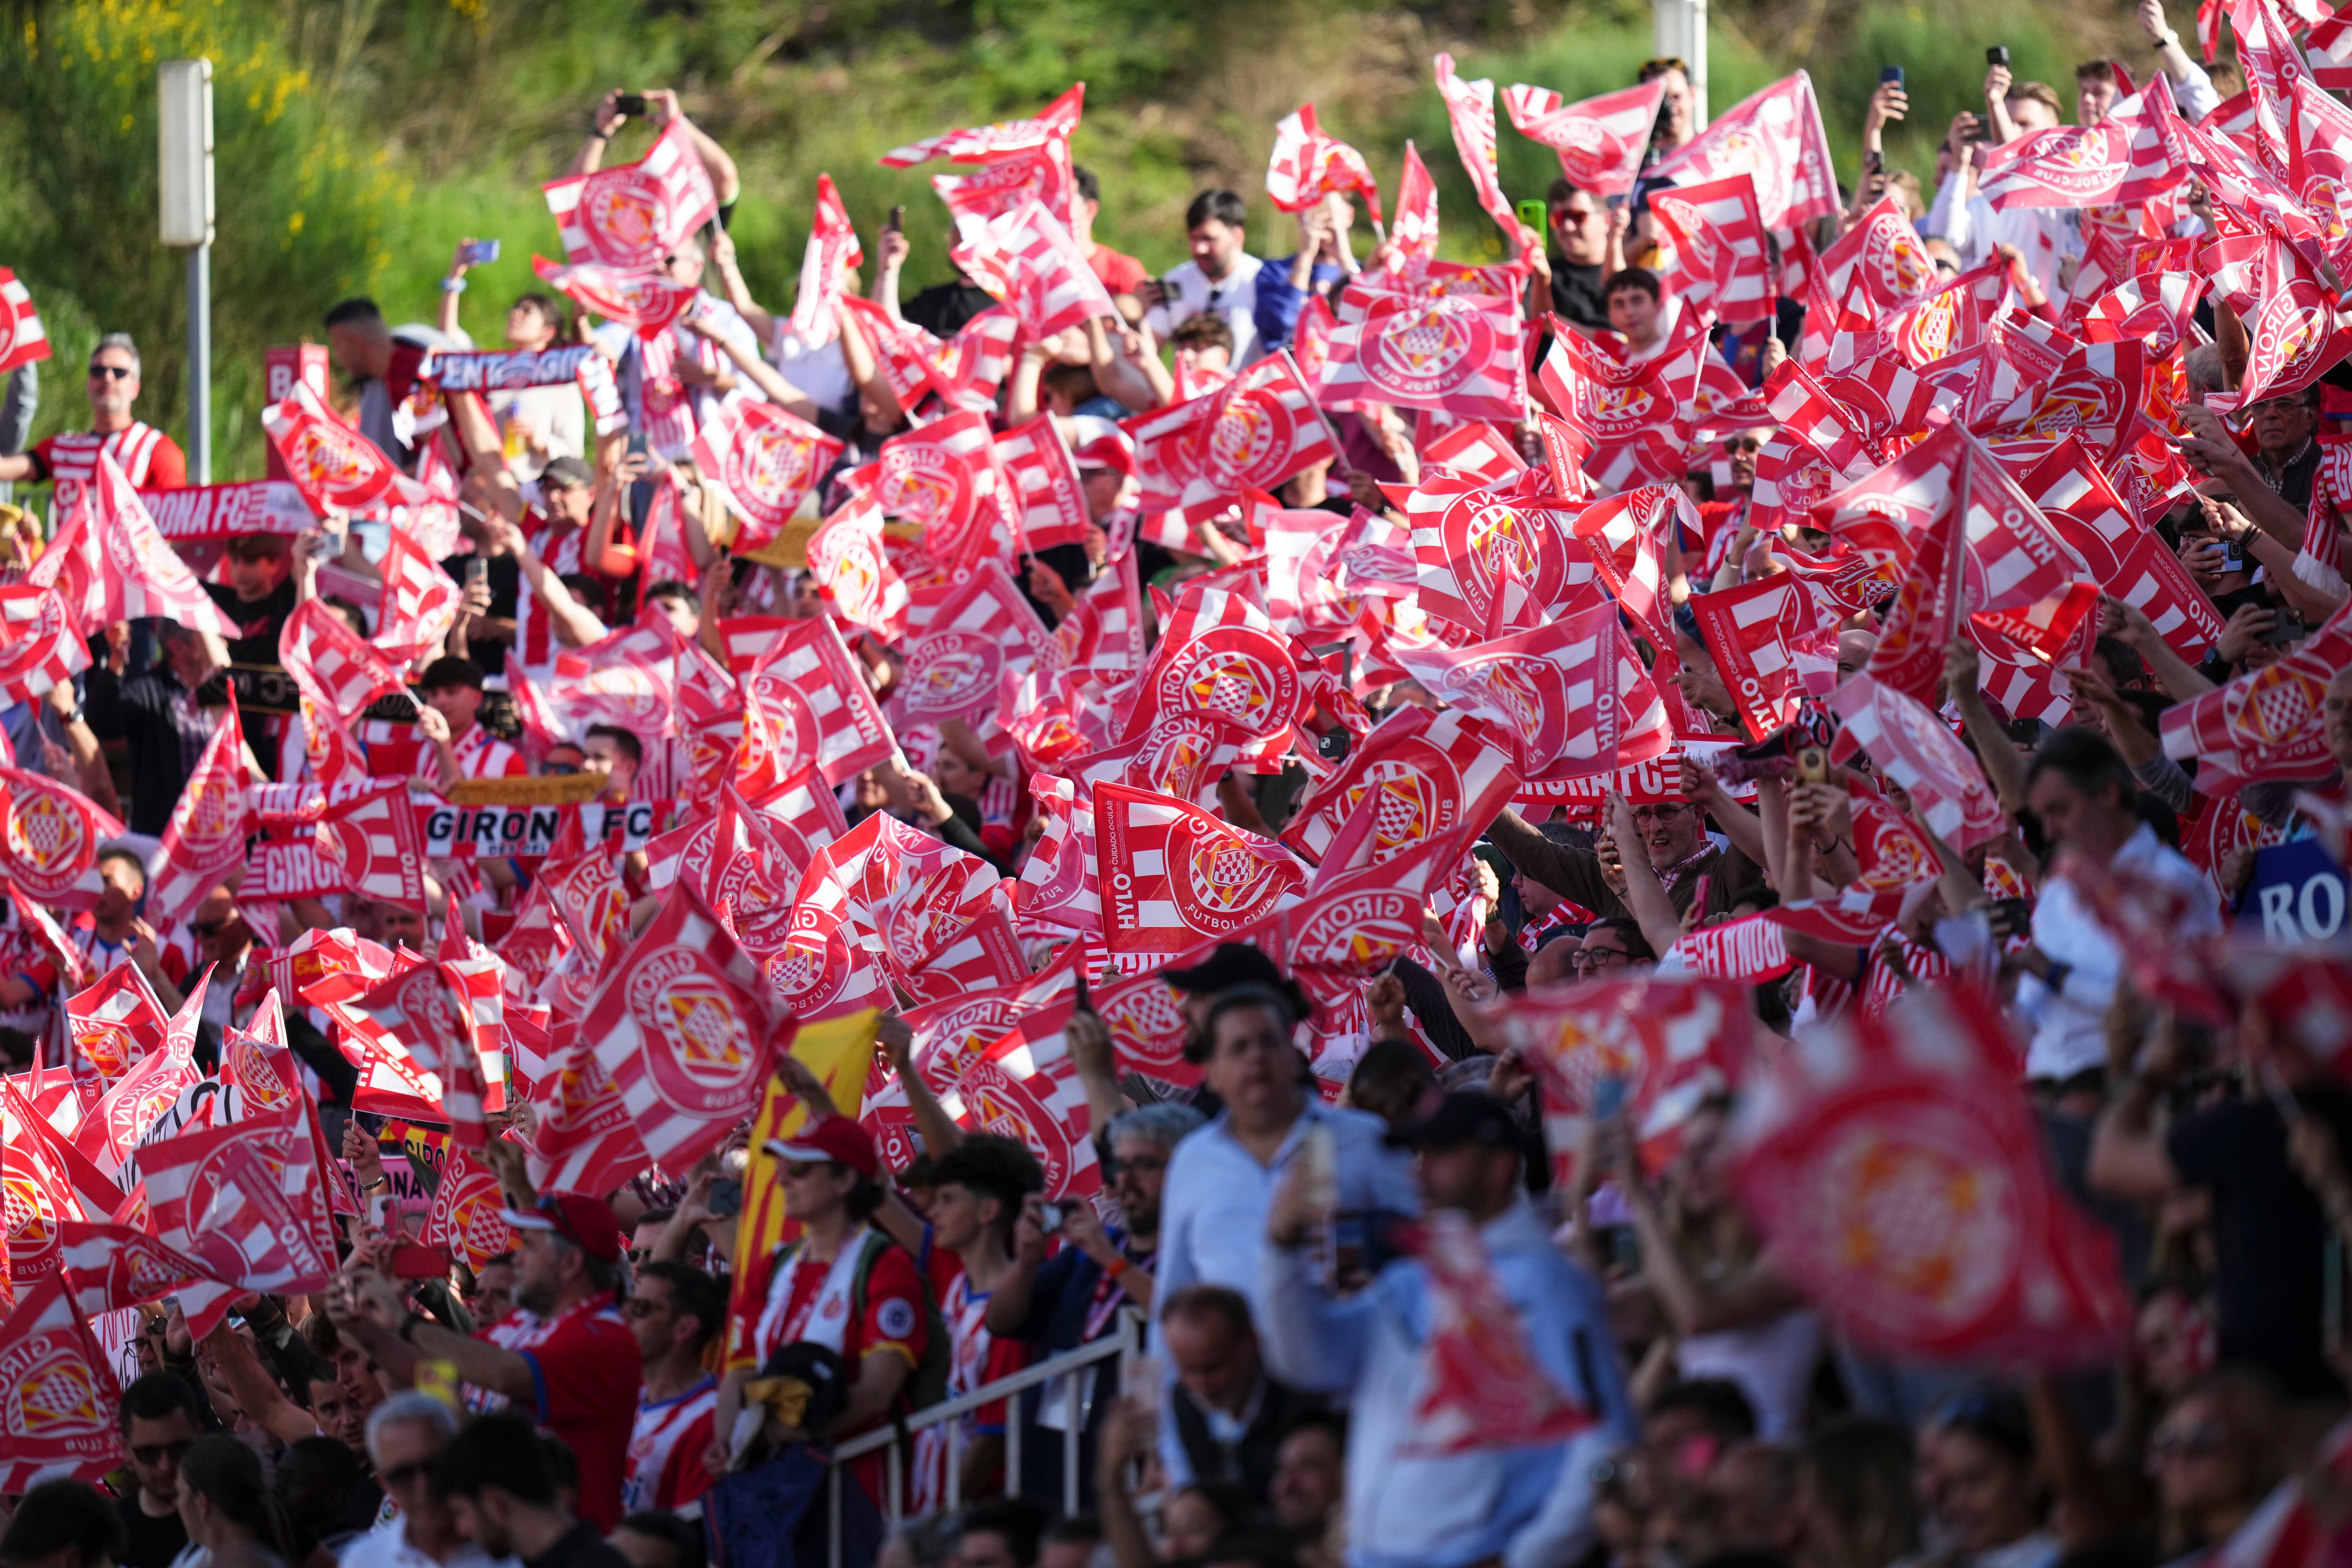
[(113, 372), (206, 928), (156, 1453)]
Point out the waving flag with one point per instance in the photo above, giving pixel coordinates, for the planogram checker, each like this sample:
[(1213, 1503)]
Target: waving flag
[(635, 215), (1600, 141), (846, 557), (1220, 657), (647, 302), (1489, 561), (40, 645), (1907, 1189), (761, 460), (1028, 260), (50, 832), (1415, 234), (1453, 354), (1776, 135), (57, 1404), (135, 572), (1756, 631), (1917, 751), (22, 339), (993, 144), (940, 477), (229, 1199), (1482, 1388), (2121, 160), (1254, 432), (1428, 775), (1038, 473), (116, 1023), (1549, 690), (1626, 422), (2267, 723), (982, 633), (1307, 166), (204, 842), (1174, 877), (832, 247), (419, 600), (1717, 239), (340, 674), (335, 467), (1470, 110)]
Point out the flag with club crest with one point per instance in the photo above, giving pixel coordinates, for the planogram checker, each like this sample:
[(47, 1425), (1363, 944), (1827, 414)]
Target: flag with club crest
[(633, 215), (1037, 471), (846, 557), (132, 572), (113, 1266), (587, 1138), (644, 301), (1429, 775), (1358, 916), (1452, 353), (1482, 1386), (2156, 310), (993, 143), (1774, 134), (981, 634), (2295, 334), (1600, 141), (231, 1200), (1919, 752), (2267, 723), (1026, 259), (1717, 243), (943, 479), (1907, 1189), (817, 707), (1470, 111), (418, 603), (116, 1023), (1300, 595), (466, 1218), (832, 249), (1219, 657), (1549, 690), (58, 1393), (762, 460), (1883, 255), (1628, 536), (1307, 165), (335, 467), (22, 337), (40, 1192), (683, 1027), (1415, 231), (40, 647), (1175, 878), (2121, 160), (1058, 885), (51, 834), (338, 671), (427, 1010), (1257, 430), (1490, 562), (204, 841), (1626, 422)]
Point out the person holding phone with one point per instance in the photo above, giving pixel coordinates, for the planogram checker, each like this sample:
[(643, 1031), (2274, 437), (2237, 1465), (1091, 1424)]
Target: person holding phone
[(1222, 275), (537, 424), (657, 107)]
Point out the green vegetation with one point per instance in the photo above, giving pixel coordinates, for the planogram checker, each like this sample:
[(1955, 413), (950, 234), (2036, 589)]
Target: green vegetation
[(359, 139)]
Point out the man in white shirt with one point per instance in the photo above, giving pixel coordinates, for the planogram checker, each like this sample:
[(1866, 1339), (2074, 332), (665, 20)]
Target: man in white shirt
[(2082, 792), (1220, 277), (2192, 90), (2044, 237), (403, 1433)]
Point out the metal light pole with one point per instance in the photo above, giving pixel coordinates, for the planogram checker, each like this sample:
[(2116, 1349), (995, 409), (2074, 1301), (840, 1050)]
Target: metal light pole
[(1679, 27), (184, 99)]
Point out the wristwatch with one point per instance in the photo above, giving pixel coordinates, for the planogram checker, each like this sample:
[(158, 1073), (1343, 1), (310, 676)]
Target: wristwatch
[(453, 285), (73, 716)]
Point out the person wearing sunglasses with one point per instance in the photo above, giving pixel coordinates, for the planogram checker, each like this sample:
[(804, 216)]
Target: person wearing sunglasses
[(150, 459), (158, 1416), (403, 1433)]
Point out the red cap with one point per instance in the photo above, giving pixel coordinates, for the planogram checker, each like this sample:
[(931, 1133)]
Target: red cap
[(836, 1139), (587, 1223)]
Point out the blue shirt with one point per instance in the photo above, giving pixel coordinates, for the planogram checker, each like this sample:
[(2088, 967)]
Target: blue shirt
[(1278, 304)]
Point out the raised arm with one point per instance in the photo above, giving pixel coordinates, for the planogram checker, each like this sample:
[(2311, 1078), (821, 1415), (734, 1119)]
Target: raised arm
[(575, 624), (763, 375), (760, 319), (1661, 927), (1996, 752)]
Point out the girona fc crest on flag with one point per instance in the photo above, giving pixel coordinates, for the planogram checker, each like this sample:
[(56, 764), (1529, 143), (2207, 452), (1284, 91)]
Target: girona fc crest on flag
[(762, 460), (57, 1395), (466, 1217), (1454, 353), (51, 833), (940, 477), (1175, 877), (116, 1023), (1148, 1026), (335, 467), (1482, 1386), (634, 215), (1220, 657), (1600, 141), (1427, 775)]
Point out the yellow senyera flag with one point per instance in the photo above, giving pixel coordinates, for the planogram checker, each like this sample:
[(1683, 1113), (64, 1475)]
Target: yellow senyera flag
[(840, 1052)]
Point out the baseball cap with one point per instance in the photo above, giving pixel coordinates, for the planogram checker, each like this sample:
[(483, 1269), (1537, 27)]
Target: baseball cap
[(1097, 443), (566, 471), (1465, 1116), (837, 1139), (587, 1223)]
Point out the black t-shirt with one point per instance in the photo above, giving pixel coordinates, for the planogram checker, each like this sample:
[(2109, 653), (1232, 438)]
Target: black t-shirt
[(506, 598), (943, 309), (2268, 1233), (579, 1547), (154, 1540), (258, 621), (1576, 294)]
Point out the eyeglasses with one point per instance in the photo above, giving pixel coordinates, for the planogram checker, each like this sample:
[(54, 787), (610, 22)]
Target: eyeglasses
[(1662, 65), (206, 928), (156, 1453), (1743, 444), (1602, 957), (404, 1474), (111, 372), (1143, 1162), (1658, 813)]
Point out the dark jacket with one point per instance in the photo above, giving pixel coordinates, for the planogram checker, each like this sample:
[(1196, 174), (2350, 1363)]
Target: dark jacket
[(1249, 1463), (1575, 874)]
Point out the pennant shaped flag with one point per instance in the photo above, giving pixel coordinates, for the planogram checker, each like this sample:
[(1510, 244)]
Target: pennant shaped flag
[(335, 467), (51, 833), (1175, 878), (833, 248), (1600, 141), (1774, 134), (632, 215), (22, 339), (339, 673), (1718, 238), (1307, 166), (762, 461), (1470, 111), (204, 841), (57, 1402)]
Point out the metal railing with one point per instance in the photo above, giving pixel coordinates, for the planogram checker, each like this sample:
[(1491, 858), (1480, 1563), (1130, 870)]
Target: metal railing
[(1125, 1342)]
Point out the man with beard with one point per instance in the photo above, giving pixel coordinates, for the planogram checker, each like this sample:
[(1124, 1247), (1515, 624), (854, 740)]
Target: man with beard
[(495, 1479)]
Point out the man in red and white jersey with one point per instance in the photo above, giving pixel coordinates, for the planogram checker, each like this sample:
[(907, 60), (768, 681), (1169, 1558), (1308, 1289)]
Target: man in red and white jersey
[(576, 1371), (557, 535), (675, 1309), (150, 459), (449, 723)]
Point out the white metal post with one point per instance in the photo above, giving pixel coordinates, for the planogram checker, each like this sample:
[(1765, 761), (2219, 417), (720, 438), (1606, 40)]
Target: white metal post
[(1679, 27), (184, 153)]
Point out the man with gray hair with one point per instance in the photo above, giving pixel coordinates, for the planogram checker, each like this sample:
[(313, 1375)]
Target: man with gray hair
[(150, 459), (403, 1433)]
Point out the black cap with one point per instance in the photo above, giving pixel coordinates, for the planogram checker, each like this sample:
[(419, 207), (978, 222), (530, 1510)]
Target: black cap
[(1236, 964), (566, 471), (1465, 1116)]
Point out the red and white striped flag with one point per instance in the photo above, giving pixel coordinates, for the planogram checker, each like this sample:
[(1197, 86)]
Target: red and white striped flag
[(419, 600), (1035, 469), (903, 351), (204, 841), (645, 301), (2121, 160), (1470, 111), (1883, 253), (2295, 335), (1755, 632), (41, 646), (815, 698), (231, 1199), (2156, 310), (1415, 231), (335, 467), (993, 144), (1219, 657), (969, 370), (762, 461), (1918, 750), (2327, 50), (50, 834), (832, 249), (116, 1023), (120, 1119), (1058, 885), (334, 669), (1489, 561), (22, 337), (1776, 135), (1626, 421), (136, 573), (1428, 775), (2268, 723), (1454, 353), (1306, 165), (632, 215), (1549, 690), (1629, 535), (1477, 451), (1175, 878), (1600, 141), (846, 557), (1717, 239), (59, 1418), (1254, 432), (1029, 254), (941, 477), (983, 637), (2094, 393)]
